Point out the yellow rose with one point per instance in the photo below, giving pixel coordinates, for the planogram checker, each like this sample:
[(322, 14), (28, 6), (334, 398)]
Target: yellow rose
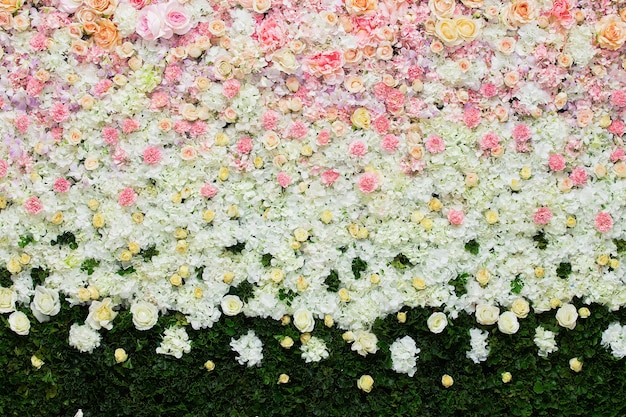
[(208, 216), (575, 365), (344, 295), (446, 31), (228, 277), (447, 381), (286, 342), (419, 283), (328, 320), (521, 308), (365, 383), (611, 32), (120, 355), (283, 379), (98, 220), (483, 276), (36, 362), (584, 312), (209, 365), (361, 118), (467, 28), (491, 216), (506, 377), (435, 204)]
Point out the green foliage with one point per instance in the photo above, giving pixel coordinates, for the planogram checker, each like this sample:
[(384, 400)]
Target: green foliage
[(66, 239), (459, 284), (564, 270), (125, 271), (237, 248), (401, 261), (89, 265), (358, 267), (25, 240), (39, 275), (472, 247), (148, 253), (517, 284), (245, 291), (5, 278), (332, 281), (266, 259), (541, 240), (286, 295), (620, 244)]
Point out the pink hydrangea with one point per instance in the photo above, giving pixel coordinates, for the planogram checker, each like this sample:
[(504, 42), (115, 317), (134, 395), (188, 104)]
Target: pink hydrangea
[(33, 205), (435, 144), (127, 197), (542, 216), (578, 176), (208, 190), (604, 222), (151, 155), (283, 179), (61, 185), (358, 148), (556, 162), (456, 217), (329, 177), (368, 182)]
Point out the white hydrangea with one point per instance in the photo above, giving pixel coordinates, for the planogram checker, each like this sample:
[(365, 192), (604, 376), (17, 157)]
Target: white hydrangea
[(480, 349), (175, 342), (249, 347), (614, 337), (544, 339), (84, 338), (404, 355), (314, 350)]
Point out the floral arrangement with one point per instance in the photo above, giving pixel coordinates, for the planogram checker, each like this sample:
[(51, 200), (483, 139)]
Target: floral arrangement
[(325, 165)]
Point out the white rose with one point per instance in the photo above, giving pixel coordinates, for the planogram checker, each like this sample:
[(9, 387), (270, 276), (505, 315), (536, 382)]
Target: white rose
[(69, 6), (487, 314), (145, 315), (231, 305), (45, 303), (365, 342), (101, 314), (521, 308), (437, 322), (567, 315), (285, 61), (303, 320), (19, 323), (507, 323), (7, 300)]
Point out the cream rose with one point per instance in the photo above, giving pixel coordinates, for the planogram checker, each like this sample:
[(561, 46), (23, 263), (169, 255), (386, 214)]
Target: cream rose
[(45, 303), (518, 13), (520, 308), (365, 342), (145, 315), (442, 8), (101, 314), (285, 61), (365, 383), (361, 118), (468, 29), (611, 32), (446, 31), (359, 7), (437, 322), (487, 314), (507, 323), (19, 323), (7, 300), (566, 315), (303, 320), (231, 305)]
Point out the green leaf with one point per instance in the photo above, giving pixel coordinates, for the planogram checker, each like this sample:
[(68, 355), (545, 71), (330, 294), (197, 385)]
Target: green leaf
[(332, 281), (472, 247), (358, 266), (564, 270), (517, 284)]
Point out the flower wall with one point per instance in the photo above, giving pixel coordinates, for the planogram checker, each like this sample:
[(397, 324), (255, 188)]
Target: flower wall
[(322, 165)]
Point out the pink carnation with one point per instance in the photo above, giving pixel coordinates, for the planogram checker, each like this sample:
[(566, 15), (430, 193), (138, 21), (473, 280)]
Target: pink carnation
[(381, 124), (488, 90), (61, 185), (244, 146), (173, 73), (283, 179), (129, 125), (110, 135), (198, 128), (617, 127), (358, 148), (231, 87), (556, 162), (604, 222), (329, 177), (323, 138), (102, 86), (34, 87), (617, 155), (22, 122), (4, 168), (471, 117), (390, 143), (456, 217), (270, 119), (489, 141), (151, 155), (435, 144), (521, 135), (208, 190), (59, 112), (578, 176), (127, 197), (618, 98), (368, 182), (33, 206), (39, 42), (298, 130), (542, 216)]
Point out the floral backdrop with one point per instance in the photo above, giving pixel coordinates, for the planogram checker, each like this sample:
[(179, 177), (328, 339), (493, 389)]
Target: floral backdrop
[(321, 164)]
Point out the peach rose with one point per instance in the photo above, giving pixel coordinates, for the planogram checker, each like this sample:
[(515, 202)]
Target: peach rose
[(359, 7), (106, 7), (442, 8), (519, 13), (107, 35), (10, 5), (611, 32)]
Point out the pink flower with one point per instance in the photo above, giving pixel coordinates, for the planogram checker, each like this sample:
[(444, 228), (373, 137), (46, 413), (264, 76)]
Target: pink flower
[(435, 144), (271, 34), (368, 182), (59, 112), (381, 124), (324, 63), (173, 74), (521, 135), (618, 98), (578, 176), (158, 100), (22, 122), (208, 190), (61, 185), (298, 129), (102, 86), (489, 141), (231, 87), (151, 155), (176, 17), (471, 117), (617, 155), (198, 128), (390, 143), (283, 179), (129, 125), (617, 127), (34, 87), (323, 138), (556, 162), (151, 23), (456, 217), (110, 135), (127, 197), (244, 146), (542, 216), (270, 119), (4, 168), (329, 177), (358, 149), (604, 222), (33, 206), (488, 90), (39, 42)]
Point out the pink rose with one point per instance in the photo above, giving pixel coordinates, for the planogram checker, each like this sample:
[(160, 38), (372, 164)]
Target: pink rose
[(208, 190), (604, 222), (456, 217), (176, 17), (323, 138), (324, 63), (151, 23), (368, 182), (542, 216)]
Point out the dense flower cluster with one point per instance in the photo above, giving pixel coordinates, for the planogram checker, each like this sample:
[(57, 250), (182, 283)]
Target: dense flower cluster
[(342, 159)]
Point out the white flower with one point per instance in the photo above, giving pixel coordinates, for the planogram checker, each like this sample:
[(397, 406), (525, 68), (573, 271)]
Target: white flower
[(437, 322), (507, 323), (480, 349), (231, 305), (544, 339), (303, 320), (175, 342), (249, 347), (614, 337), (101, 314), (45, 303), (145, 315), (314, 350), (567, 315), (84, 338), (7, 300), (364, 342), (487, 314), (19, 323), (404, 355)]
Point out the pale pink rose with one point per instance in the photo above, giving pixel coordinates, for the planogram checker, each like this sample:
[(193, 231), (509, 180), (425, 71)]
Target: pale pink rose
[(368, 182), (604, 222), (33, 205), (208, 190), (283, 179), (176, 17), (329, 177), (69, 6), (358, 149), (188, 153), (556, 162), (151, 155), (151, 23), (61, 185), (456, 217), (542, 216), (435, 144), (127, 197)]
